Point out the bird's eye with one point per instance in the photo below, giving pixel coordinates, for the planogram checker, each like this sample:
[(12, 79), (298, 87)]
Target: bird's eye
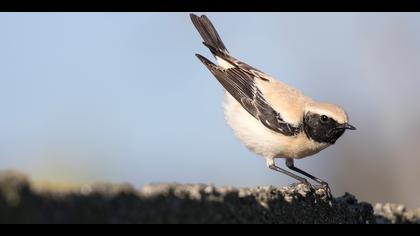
[(324, 119)]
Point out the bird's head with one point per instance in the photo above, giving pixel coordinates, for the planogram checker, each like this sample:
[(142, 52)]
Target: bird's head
[(325, 122)]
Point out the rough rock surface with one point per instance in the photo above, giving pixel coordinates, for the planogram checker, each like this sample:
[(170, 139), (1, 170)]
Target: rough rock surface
[(395, 214), (21, 202)]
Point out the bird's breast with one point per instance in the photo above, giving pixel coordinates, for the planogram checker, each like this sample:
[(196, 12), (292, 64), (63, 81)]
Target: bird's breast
[(263, 141)]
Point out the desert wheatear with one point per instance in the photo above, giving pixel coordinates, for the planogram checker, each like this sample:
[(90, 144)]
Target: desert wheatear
[(271, 118)]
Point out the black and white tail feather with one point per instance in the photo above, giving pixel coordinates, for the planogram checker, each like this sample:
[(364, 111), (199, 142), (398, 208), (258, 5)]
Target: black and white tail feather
[(208, 32), (239, 79)]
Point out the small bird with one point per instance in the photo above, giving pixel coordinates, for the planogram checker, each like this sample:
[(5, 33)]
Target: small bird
[(269, 117)]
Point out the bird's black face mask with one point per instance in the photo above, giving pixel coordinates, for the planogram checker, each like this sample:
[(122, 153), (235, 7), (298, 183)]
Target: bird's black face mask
[(323, 129)]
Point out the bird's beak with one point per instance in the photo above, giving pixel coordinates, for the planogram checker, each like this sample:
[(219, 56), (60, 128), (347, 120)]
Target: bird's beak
[(349, 126)]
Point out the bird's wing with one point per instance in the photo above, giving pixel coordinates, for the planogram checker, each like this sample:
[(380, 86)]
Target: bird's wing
[(223, 55), (212, 40), (240, 82)]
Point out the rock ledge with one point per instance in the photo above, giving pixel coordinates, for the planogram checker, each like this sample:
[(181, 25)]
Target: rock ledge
[(22, 202)]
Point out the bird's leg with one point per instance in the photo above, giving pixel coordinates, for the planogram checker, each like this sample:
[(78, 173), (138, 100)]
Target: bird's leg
[(273, 166), (290, 164)]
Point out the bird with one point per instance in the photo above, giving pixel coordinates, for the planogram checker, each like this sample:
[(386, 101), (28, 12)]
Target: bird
[(272, 119)]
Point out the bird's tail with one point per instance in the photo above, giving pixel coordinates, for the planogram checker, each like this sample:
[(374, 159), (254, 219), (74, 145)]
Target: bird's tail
[(208, 32)]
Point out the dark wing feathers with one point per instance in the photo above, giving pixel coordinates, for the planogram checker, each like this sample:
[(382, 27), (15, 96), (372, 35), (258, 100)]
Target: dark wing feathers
[(213, 41), (245, 67), (239, 80), (241, 85), (233, 80)]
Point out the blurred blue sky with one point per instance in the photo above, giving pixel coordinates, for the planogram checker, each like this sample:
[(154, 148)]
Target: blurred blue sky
[(120, 97)]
